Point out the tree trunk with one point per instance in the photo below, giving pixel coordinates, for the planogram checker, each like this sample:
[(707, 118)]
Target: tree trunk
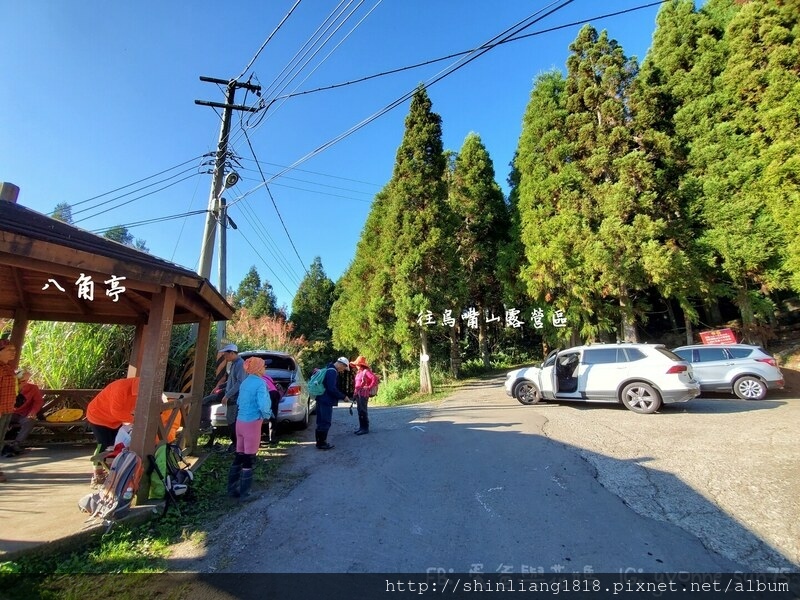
[(483, 342), (628, 320), (713, 314), (671, 314), (455, 353), (689, 329), (745, 304), (425, 385)]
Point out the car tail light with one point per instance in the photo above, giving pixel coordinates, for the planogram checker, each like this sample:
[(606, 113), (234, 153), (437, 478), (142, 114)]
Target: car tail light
[(294, 390), (677, 369), (770, 361)]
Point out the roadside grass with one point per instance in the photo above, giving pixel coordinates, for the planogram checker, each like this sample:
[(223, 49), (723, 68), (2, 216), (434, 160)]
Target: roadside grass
[(137, 548)]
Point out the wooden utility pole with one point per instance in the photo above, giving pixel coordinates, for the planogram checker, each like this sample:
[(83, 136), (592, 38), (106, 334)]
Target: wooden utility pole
[(218, 180)]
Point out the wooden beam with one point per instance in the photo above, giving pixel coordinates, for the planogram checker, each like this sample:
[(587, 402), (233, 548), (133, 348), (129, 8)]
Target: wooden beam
[(155, 346), (198, 384), (23, 296), (71, 317), (18, 331), (58, 269), (135, 360)]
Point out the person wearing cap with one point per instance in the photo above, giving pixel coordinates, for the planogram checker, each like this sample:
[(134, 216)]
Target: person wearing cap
[(8, 388), (254, 408), (328, 399), (365, 381), (30, 401), (236, 375)]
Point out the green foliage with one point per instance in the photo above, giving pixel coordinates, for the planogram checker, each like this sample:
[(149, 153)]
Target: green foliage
[(312, 303), (76, 355), (63, 212), (120, 233), (257, 298)]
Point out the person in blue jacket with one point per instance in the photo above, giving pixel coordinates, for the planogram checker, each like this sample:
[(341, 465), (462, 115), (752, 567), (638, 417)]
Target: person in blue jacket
[(328, 399), (254, 408)]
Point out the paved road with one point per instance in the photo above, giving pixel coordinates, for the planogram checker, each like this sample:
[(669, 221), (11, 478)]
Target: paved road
[(478, 481)]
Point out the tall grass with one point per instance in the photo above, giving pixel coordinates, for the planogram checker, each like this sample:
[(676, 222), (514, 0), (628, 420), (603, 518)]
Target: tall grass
[(76, 355)]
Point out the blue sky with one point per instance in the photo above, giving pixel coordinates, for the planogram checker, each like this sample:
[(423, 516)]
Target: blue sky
[(100, 95)]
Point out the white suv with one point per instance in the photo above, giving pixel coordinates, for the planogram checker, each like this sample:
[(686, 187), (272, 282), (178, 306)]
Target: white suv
[(640, 376)]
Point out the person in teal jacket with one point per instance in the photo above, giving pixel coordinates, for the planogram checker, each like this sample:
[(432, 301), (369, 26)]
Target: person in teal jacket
[(254, 408)]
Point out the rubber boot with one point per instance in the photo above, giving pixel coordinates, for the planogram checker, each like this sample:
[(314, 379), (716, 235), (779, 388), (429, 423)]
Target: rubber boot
[(234, 478), (247, 482), (363, 423), (273, 432), (322, 441)]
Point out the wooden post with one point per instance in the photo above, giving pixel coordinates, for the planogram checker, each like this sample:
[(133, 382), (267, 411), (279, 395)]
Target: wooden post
[(18, 332), (135, 362), (155, 345), (198, 384)]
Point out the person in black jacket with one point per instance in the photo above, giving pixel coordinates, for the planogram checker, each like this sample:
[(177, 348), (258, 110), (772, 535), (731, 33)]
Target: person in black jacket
[(328, 399)]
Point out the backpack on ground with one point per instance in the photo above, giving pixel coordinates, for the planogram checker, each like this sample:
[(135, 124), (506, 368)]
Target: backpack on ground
[(114, 500), (316, 385), (170, 475)]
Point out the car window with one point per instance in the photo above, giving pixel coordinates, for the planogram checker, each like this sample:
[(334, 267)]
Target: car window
[(683, 354), (710, 354), (600, 356), (634, 354), (740, 352)]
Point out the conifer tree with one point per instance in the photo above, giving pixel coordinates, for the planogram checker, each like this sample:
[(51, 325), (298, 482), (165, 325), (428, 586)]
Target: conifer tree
[(258, 298), (312, 303), (422, 254), (362, 316), (481, 230)]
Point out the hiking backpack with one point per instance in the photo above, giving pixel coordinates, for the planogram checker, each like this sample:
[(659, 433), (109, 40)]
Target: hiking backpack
[(114, 500), (169, 472), (316, 385), (373, 391)]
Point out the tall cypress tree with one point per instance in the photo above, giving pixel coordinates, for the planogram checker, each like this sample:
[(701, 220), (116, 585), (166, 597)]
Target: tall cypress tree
[(422, 252), (362, 317), (311, 305), (481, 230)]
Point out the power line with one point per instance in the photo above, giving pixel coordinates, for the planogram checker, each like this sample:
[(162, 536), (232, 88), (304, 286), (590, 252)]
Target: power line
[(138, 182), (269, 37), (280, 218), (464, 52), (518, 27), (317, 172), (151, 221), (134, 199)]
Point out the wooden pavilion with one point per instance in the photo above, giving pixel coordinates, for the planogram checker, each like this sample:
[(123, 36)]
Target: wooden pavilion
[(53, 271)]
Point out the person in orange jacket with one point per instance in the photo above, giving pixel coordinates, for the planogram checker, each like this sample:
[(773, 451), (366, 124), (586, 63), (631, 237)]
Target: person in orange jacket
[(112, 407)]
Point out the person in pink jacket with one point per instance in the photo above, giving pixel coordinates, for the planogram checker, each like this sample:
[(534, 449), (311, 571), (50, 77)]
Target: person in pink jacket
[(365, 381)]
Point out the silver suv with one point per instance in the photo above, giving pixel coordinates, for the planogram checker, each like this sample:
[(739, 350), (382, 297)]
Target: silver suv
[(295, 406), (747, 371), (640, 376)]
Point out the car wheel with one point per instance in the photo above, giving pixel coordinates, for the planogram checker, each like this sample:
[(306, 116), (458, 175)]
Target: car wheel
[(749, 388), (527, 393), (641, 398)]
